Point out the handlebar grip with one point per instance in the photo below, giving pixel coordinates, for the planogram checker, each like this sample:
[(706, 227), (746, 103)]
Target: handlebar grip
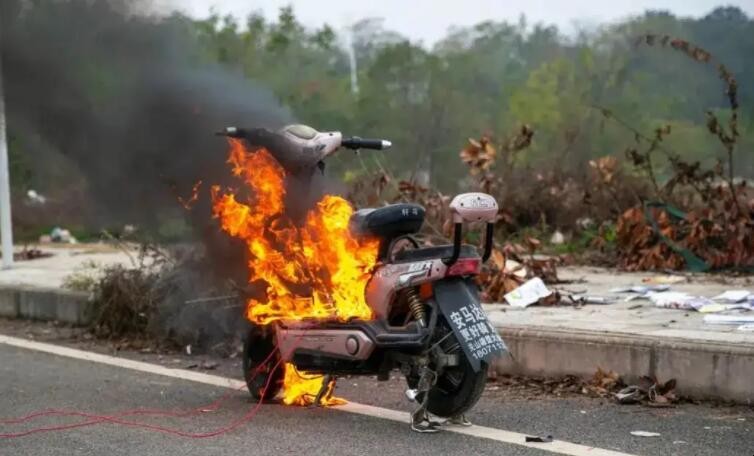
[(231, 132), (365, 143)]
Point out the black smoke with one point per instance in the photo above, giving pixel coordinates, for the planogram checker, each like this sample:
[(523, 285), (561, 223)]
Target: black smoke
[(129, 102), (128, 98)]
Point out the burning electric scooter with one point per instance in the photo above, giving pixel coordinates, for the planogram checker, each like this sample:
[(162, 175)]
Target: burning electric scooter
[(423, 315)]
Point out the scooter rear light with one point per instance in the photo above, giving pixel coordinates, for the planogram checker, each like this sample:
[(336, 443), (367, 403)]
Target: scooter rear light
[(465, 266)]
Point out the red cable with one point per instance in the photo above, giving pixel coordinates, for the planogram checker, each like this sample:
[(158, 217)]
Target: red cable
[(211, 407), (114, 420)]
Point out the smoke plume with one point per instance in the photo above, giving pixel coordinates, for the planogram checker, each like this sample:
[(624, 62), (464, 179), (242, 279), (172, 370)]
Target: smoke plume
[(126, 98)]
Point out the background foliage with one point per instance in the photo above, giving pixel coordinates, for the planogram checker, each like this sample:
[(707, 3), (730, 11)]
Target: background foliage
[(483, 81)]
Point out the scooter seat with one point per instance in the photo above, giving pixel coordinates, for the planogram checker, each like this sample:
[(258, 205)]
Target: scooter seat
[(387, 222), (434, 252)]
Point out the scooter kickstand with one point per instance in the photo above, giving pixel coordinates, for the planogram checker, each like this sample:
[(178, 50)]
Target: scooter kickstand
[(420, 421), (322, 390)]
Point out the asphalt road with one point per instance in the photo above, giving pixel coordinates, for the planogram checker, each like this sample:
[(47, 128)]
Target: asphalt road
[(31, 381)]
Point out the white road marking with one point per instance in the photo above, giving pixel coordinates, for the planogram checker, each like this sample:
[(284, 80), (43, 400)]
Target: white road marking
[(500, 435)]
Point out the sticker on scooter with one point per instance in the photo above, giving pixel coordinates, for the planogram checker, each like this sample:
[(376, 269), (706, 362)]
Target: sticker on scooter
[(478, 334), (463, 311), (422, 266)]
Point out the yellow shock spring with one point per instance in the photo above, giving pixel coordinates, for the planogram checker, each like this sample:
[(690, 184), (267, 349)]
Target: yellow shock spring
[(416, 306)]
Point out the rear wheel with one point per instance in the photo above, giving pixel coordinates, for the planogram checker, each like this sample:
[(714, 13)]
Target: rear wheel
[(260, 355), (458, 388)]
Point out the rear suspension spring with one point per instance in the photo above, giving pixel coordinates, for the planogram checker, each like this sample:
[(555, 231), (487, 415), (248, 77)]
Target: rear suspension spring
[(416, 306)]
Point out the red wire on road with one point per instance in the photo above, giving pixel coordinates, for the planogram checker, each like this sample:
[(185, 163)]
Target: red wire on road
[(114, 419)]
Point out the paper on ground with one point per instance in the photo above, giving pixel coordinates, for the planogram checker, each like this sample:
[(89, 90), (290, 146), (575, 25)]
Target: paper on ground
[(728, 319), (733, 296), (641, 289), (679, 300), (528, 293), (717, 307)]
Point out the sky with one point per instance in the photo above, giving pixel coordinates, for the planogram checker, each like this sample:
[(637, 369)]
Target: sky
[(428, 20)]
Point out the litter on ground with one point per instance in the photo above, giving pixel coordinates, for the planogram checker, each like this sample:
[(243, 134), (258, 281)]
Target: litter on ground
[(729, 319), (678, 300), (733, 296), (528, 293)]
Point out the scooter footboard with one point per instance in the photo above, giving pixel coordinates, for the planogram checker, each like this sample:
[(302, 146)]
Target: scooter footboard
[(458, 301), (354, 341)]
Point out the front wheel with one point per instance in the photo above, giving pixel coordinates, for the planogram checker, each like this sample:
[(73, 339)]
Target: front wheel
[(260, 356)]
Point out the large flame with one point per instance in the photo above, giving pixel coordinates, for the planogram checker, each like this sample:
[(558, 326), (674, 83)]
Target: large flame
[(314, 271)]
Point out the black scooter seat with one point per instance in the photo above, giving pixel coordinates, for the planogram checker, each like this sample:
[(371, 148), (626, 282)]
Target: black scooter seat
[(387, 222), (434, 252)]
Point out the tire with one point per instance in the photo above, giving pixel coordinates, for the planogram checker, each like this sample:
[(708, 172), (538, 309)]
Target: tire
[(258, 347), (458, 388), (454, 399)]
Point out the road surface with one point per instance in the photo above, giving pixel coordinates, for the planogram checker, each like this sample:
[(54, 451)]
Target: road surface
[(38, 376)]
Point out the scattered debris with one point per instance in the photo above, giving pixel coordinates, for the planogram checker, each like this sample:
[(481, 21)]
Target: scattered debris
[(715, 307), (629, 395), (728, 319), (664, 280), (678, 300), (209, 365), (749, 327), (601, 385), (188, 349), (589, 299), (733, 296), (529, 293), (30, 254), (557, 238), (35, 198), (645, 434), (61, 235), (639, 291), (649, 391), (539, 439), (603, 382)]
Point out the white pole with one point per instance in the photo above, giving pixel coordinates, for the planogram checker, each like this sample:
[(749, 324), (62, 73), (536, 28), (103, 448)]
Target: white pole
[(6, 229), (352, 63)]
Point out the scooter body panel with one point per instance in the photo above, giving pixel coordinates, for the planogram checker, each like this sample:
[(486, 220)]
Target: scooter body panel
[(390, 278)]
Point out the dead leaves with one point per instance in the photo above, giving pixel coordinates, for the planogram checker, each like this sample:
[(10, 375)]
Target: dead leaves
[(514, 264), (479, 155), (719, 234)]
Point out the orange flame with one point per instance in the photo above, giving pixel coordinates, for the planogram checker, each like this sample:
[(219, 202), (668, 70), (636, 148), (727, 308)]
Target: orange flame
[(301, 389), (187, 203), (314, 271)]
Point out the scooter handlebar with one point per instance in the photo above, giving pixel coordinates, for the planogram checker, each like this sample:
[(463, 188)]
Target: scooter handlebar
[(231, 132), (355, 143)]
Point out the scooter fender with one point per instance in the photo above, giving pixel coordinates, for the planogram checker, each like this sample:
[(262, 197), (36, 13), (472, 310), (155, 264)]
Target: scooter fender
[(458, 301)]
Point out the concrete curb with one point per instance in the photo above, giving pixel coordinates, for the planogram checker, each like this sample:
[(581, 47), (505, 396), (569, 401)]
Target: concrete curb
[(703, 369), (44, 304)]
